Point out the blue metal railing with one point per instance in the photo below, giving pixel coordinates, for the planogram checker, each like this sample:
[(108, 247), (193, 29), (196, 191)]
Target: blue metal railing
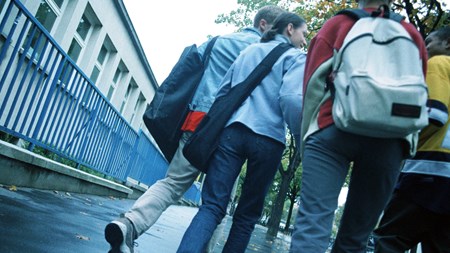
[(47, 100)]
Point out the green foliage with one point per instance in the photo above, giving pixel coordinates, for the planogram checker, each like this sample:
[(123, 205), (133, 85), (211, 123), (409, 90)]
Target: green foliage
[(3, 136), (271, 196), (53, 156), (7, 137), (94, 172), (243, 15), (426, 15), (43, 152), (294, 188), (337, 220), (317, 12)]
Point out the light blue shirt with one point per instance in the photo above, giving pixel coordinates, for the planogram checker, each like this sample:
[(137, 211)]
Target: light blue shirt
[(225, 51), (277, 100)]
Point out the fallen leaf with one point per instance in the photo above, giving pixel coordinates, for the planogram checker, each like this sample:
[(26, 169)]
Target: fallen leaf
[(82, 237), (12, 188)]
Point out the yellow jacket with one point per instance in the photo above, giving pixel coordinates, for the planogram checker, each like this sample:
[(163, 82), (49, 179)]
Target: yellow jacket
[(433, 154)]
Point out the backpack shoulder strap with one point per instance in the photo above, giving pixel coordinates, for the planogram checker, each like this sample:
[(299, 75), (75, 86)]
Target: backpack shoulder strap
[(208, 50), (396, 17), (356, 14)]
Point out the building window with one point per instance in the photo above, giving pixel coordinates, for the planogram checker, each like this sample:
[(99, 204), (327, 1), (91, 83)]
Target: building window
[(114, 83), (99, 64), (139, 103), (2, 7), (59, 3), (84, 27), (46, 15), (84, 30), (102, 55), (94, 75), (130, 90), (102, 58), (74, 50)]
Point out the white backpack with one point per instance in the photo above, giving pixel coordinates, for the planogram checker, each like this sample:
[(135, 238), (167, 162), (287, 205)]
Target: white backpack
[(379, 87)]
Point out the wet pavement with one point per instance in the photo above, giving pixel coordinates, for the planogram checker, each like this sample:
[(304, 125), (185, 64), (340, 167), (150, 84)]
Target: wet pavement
[(41, 221)]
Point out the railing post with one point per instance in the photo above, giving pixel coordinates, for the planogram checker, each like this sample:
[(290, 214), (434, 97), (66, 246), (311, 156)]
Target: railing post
[(134, 153), (65, 120), (47, 101), (11, 33)]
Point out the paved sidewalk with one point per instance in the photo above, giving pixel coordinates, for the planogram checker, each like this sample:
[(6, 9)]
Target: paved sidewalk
[(40, 221)]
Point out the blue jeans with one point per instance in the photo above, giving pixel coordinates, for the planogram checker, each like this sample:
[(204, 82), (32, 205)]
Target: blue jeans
[(326, 162), (237, 144)]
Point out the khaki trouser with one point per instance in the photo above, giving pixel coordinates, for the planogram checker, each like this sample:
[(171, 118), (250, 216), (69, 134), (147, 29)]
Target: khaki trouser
[(165, 192)]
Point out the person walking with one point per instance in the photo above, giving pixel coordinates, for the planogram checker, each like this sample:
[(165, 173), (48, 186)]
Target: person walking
[(328, 152), (122, 232), (419, 210), (255, 134)]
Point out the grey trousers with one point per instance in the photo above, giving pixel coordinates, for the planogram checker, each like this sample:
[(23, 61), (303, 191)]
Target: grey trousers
[(327, 158), (165, 192)]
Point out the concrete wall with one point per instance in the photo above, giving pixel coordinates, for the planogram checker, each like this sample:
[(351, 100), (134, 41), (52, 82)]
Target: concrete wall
[(21, 167)]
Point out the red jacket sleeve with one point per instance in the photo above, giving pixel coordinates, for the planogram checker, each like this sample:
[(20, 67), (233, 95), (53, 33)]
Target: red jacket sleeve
[(417, 37)]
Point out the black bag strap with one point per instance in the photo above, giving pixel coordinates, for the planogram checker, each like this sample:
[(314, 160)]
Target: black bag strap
[(201, 145), (360, 13), (230, 102), (208, 50), (355, 14), (263, 68), (206, 57)]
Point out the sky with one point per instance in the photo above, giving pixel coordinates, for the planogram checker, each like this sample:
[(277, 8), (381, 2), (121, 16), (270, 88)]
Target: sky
[(165, 28)]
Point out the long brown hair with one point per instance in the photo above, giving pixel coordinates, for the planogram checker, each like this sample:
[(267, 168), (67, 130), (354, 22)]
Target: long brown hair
[(280, 24)]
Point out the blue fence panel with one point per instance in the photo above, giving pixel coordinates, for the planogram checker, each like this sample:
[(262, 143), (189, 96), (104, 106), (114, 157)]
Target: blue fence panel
[(47, 100), (193, 194), (148, 163)]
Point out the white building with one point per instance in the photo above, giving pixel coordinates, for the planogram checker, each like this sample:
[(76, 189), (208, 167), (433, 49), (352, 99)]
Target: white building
[(99, 37)]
